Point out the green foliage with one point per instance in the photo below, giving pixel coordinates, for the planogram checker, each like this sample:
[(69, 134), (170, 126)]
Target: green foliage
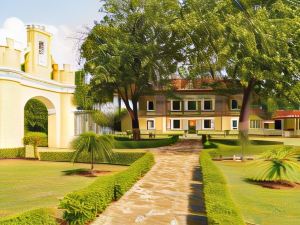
[(219, 205), (35, 139), (82, 97), (132, 48), (209, 145), (278, 165), (94, 145), (33, 217), (82, 206), (12, 153), (151, 143), (79, 77), (36, 116), (121, 157)]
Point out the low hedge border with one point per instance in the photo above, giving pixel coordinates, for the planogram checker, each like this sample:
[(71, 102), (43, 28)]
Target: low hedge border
[(149, 143), (83, 205), (220, 207), (33, 217), (12, 153), (121, 158)]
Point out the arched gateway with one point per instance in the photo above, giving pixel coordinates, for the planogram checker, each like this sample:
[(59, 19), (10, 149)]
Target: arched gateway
[(42, 80)]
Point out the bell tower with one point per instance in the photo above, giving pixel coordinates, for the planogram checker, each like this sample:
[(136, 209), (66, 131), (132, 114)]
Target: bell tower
[(38, 58)]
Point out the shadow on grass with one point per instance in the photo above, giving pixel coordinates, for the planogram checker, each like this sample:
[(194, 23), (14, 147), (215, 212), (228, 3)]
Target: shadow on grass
[(75, 171), (197, 214)]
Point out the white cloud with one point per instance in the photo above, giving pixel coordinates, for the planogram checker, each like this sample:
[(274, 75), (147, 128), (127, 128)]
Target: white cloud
[(64, 43)]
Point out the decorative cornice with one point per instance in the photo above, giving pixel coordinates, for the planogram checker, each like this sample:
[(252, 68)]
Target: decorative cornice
[(26, 79)]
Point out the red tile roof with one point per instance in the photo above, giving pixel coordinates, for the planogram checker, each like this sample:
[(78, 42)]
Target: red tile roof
[(284, 114)]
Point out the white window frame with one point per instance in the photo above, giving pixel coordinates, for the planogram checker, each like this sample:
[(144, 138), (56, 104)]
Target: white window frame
[(176, 110), (231, 104), (151, 128), (212, 122), (237, 120), (172, 124), (187, 105), (255, 123), (150, 110), (212, 105)]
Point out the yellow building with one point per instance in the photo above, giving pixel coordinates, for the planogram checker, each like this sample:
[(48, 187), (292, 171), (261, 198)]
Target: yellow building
[(38, 78), (195, 108)]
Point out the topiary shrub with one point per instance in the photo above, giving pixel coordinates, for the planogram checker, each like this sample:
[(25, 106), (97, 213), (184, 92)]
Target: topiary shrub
[(33, 217), (35, 139)]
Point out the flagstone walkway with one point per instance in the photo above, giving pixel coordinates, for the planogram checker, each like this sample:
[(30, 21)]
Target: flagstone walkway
[(170, 194)]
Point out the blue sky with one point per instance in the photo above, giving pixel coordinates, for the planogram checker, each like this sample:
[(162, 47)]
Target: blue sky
[(56, 12), (65, 19)]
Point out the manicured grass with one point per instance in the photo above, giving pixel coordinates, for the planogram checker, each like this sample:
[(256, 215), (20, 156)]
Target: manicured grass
[(260, 205), (25, 184)]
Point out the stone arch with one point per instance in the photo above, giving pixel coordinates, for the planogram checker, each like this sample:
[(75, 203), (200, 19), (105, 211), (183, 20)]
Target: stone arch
[(52, 119)]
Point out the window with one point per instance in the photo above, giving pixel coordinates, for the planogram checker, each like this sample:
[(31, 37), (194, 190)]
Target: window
[(41, 48), (208, 105), (191, 105), (176, 105), (175, 124), (234, 124), (208, 124), (150, 106), (255, 124), (234, 104), (150, 124)]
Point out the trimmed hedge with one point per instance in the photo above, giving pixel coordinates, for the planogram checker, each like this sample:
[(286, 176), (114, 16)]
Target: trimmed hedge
[(82, 206), (149, 143), (12, 153), (121, 158), (220, 207), (33, 217)]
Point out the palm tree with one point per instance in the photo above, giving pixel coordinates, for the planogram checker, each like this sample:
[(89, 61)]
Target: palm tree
[(278, 165), (94, 145)]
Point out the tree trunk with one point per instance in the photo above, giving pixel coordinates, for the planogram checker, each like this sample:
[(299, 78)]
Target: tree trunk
[(244, 117), (35, 152), (135, 123), (92, 161)]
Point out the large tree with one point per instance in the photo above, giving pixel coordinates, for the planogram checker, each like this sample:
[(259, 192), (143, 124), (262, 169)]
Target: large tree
[(255, 43), (132, 49)]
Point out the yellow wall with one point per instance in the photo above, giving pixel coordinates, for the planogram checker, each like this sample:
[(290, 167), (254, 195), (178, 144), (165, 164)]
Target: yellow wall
[(9, 56)]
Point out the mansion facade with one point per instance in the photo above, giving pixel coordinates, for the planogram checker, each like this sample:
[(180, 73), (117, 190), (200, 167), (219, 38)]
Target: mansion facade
[(198, 109)]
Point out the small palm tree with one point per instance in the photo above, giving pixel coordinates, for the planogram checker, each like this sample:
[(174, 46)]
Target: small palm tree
[(94, 145), (278, 165)]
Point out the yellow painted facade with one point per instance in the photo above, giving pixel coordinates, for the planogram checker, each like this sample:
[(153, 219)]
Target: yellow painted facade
[(18, 87)]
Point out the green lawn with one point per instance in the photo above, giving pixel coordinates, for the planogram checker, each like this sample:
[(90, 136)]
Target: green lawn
[(261, 205), (25, 184)]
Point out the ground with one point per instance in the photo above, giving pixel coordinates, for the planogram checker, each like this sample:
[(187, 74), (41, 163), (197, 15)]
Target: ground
[(261, 205), (27, 184), (169, 194)]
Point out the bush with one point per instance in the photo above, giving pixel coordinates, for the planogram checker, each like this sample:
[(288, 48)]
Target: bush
[(209, 145), (82, 206), (33, 217), (220, 207), (145, 143), (121, 158), (12, 153)]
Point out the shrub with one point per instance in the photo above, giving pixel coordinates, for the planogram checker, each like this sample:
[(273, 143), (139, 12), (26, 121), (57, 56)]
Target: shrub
[(33, 217), (145, 143), (121, 158), (220, 207), (278, 165), (12, 153), (83, 205), (35, 139)]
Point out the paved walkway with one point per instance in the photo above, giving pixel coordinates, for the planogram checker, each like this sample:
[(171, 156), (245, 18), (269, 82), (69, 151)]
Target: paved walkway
[(170, 194)]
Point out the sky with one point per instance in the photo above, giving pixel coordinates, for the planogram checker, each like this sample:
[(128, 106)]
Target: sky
[(65, 19)]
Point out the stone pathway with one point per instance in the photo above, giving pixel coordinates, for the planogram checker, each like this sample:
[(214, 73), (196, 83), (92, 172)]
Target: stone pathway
[(170, 194)]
